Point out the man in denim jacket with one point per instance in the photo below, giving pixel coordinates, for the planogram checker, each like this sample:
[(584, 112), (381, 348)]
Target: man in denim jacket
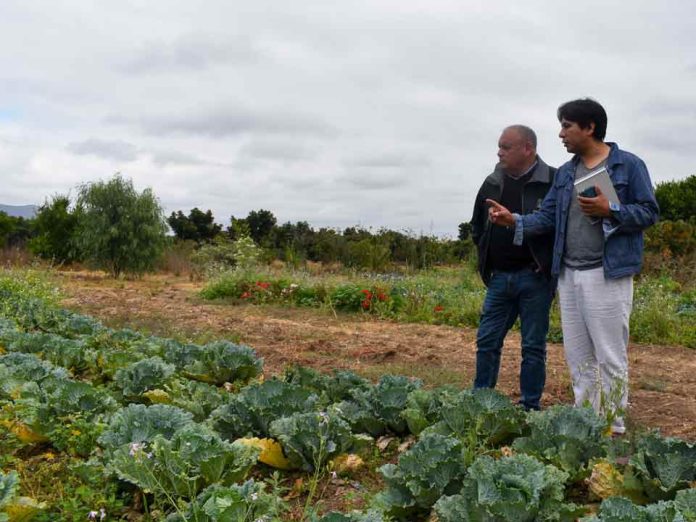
[(598, 248)]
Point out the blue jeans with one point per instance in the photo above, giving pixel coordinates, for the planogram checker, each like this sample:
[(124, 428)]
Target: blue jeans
[(528, 294)]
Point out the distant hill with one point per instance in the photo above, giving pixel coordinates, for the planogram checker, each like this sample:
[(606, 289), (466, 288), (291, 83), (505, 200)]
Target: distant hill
[(25, 211)]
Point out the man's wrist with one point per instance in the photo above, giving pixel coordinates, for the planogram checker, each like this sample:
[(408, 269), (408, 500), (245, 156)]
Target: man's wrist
[(614, 209)]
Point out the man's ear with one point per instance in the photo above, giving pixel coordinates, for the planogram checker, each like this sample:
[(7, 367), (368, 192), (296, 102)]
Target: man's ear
[(590, 128)]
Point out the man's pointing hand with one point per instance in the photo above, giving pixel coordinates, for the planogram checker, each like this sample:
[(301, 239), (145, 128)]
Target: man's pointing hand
[(499, 215)]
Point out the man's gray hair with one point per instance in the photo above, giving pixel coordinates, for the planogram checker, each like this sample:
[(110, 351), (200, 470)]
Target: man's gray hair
[(526, 132)]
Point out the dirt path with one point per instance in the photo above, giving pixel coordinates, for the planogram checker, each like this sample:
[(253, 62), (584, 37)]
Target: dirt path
[(663, 378)]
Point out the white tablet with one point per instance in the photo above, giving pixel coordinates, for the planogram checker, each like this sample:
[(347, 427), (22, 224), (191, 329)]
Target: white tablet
[(599, 177)]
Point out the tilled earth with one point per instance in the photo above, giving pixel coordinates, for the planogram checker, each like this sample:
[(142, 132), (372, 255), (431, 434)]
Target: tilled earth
[(662, 379)]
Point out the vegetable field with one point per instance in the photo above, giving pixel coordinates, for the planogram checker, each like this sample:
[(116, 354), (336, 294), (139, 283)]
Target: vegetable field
[(125, 422)]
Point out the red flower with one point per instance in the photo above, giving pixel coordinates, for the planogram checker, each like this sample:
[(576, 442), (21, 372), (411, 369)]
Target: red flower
[(365, 304), (438, 308), (368, 294), (245, 295), (263, 284), (382, 297)]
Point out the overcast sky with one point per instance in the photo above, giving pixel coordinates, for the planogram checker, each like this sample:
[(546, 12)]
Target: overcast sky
[(376, 112)]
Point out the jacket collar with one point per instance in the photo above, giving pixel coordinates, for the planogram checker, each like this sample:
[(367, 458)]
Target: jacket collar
[(541, 173), (614, 157)]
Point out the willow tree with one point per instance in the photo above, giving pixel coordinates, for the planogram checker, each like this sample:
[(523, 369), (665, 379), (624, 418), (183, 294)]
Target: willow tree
[(120, 230)]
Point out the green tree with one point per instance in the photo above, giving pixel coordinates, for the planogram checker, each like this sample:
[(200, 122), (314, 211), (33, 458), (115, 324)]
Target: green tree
[(55, 226), (238, 228), (198, 226), (261, 223), (677, 199), (120, 230), (464, 231), (14, 231)]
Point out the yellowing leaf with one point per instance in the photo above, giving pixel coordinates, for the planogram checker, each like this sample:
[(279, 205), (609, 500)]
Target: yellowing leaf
[(347, 464), (271, 452), (158, 396), (24, 432), (24, 509), (605, 481)]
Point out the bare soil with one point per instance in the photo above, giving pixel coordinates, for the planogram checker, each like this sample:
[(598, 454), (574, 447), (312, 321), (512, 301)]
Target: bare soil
[(662, 379)]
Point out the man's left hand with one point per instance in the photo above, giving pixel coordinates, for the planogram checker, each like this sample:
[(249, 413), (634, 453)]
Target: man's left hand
[(595, 207)]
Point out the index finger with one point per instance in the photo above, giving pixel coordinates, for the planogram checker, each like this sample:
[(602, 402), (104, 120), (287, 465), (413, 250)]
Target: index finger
[(493, 203)]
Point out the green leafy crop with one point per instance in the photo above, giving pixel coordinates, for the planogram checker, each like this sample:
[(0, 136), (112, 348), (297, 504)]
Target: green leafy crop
[(222, 361), (619, 509), (480, 418), (377, 409), (247, 502), (141, 376), (309, 440), (565, 436), (514, 489), (664, 465), (138, 423), (252, 410), (431, 468), (194, 458)]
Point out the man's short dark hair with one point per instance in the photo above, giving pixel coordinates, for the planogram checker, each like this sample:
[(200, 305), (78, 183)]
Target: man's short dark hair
[(584, 112)]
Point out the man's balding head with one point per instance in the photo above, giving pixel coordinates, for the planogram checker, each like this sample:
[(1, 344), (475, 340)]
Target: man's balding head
[(517, 149)]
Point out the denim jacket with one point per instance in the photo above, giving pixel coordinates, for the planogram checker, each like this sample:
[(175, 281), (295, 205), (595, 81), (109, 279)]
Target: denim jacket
[(623, 231)]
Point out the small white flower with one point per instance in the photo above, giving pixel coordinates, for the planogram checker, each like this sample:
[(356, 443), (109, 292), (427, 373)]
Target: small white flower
[(254, 496), (102, 514), (92, 515), (324, 417), (334, 475), (135, 448)]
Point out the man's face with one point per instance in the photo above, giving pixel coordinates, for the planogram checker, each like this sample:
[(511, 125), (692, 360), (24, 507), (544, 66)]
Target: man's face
[(514, 152), (575, 139)]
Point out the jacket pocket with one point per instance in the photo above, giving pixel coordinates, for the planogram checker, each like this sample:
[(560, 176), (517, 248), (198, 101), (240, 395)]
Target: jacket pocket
[(622, 251), (619, 178)]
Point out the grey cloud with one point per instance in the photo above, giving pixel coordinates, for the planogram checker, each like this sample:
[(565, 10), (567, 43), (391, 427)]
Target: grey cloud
[(679, 109), (230, 122), (173, 157), (390, 160), (108, 149), (193, 52), (278, 150), (676, 142), (369, 179)]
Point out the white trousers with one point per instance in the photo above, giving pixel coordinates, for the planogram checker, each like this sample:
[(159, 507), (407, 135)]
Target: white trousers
[(594, 317)]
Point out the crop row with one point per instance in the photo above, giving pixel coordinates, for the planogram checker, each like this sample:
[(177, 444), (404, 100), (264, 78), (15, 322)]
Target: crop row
[(191, 432)]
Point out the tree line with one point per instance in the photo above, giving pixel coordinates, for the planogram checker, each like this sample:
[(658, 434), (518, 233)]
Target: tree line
[(112, 226)]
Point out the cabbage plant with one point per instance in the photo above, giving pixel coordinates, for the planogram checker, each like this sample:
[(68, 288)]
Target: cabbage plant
[(222, 361), (251, 411), (238, 502), (433, 467), (664, 465), (379, 408), (516, 489), (480, 419), (310, 440), (619, 509), (193, 458), (565, 436), (137, 423), (141, 376)]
